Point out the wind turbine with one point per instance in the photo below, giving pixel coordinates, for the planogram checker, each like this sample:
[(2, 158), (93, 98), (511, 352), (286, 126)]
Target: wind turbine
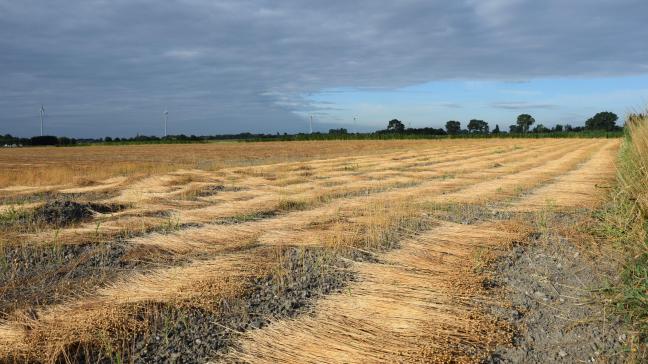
[(311, 124), (42, 115), (166, 120), (355, 123)]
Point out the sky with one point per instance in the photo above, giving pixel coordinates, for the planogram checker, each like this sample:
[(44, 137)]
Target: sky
[(111, 67)]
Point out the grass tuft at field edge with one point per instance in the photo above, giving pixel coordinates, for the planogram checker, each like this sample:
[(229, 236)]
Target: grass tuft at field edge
[(625, 224)]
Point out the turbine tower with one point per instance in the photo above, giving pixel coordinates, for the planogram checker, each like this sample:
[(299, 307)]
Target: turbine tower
[(311, 124), (166, 120), (355, 123), (42, 115)]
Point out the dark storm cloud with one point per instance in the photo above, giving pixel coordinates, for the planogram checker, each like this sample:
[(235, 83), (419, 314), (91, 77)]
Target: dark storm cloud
[(110, 67)]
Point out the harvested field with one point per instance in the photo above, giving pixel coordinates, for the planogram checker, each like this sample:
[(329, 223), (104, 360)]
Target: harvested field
[(341, 251)]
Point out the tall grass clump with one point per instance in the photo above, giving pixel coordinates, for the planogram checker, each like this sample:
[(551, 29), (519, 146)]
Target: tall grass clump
[(629, 225)]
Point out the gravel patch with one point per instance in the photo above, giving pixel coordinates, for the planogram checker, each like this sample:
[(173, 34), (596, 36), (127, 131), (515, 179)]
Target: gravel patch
[(210, 190), (67, 212), (202, 335), (41, 275), (469, 214), (559, 317), (194, 335)]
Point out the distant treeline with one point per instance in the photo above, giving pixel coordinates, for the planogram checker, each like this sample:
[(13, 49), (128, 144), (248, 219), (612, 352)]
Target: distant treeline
[(8, 140), (604, 121), (407, 135), (601, 125)]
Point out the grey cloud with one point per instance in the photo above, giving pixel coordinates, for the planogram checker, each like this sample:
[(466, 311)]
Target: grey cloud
[(450, 105), (110, 67), (521, 105)]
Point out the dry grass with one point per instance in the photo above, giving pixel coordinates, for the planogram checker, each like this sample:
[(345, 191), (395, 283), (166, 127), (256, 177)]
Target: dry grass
[(634, 175), (79, 165), (578, 188), (625, 224), (419, 306), (113, 310), (219, 213)]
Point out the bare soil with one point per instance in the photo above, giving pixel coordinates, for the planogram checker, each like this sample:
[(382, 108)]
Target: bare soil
[(555, 305), (33, 276), (194, 335)]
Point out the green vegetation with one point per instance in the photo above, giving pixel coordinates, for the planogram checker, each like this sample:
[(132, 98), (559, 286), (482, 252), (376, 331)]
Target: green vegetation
[(406, 135), (601, 125), (338, 131), (478, 126), (12, 216), (396, 126), (602, 121), (625, 224), (453, 127), (524, 121), (633, 197)]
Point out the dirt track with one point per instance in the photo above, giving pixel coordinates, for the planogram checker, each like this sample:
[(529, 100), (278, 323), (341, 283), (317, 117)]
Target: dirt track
[(402, 248)]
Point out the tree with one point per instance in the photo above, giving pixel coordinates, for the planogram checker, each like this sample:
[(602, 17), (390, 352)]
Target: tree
[(8, 139), (478, 126), (44, 140), (426, 131), (602, 121), (514, 129), (497, 129), (396, 126), (338, 131), (66, 141), (524, 121), (558, 128), (541, 129), (453, 127)]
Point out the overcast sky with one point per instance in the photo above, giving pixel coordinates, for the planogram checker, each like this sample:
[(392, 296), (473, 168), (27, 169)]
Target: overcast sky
[(111, 67)]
